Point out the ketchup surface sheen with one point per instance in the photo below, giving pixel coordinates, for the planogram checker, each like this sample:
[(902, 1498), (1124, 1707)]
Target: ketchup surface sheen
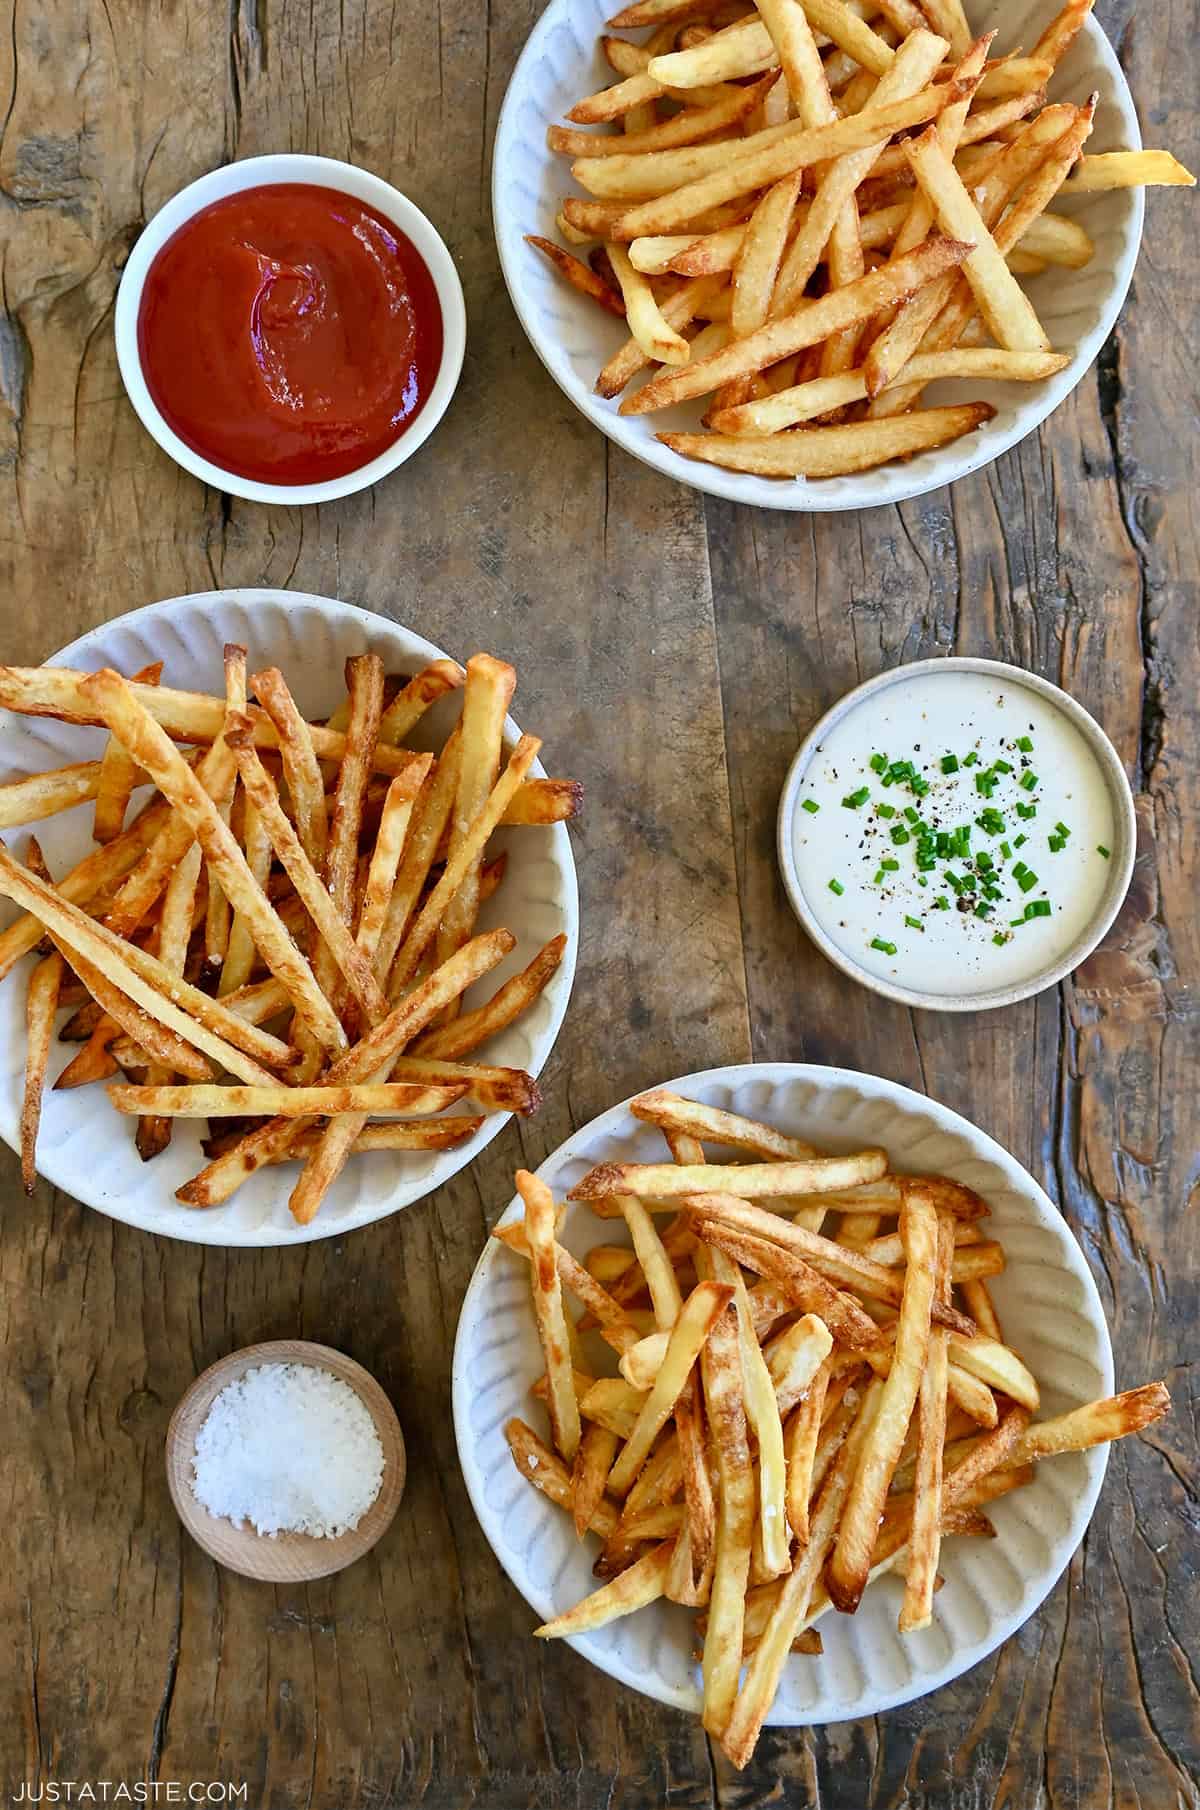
[(289, 333)]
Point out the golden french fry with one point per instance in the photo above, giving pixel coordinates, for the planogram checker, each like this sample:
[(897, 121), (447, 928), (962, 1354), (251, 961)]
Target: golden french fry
[(548, 1311), (633, 1589), (1093, 1424), (995, 1365), (301, 768), (678, 311), (1104, 170), (577, 274), (489, 688), (597, 1449), (673, 1113), (654, 1262), (688, 127), (46, 794), (851, 1558), (240, 953), (916, 1611), (279, 1102), (802, 1285), (795, 1357), (118, 775), (657, 339), (174, 932), (827, 452), (547, 1472), (763, 1419), (693, 1326), (466, 1032), (41, 1003), (800, 1450), (725, 1408), (662, 1181)]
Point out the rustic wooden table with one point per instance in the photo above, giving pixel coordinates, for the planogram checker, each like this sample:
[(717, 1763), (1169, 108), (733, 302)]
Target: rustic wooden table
[(672, 652)]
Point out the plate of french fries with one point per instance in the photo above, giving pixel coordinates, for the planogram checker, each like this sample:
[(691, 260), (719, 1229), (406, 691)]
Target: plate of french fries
[(289, 916), (819, 254), (784, 1395)]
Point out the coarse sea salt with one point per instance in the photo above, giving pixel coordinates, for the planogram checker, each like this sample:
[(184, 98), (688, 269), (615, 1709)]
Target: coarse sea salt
[(291, 1449)]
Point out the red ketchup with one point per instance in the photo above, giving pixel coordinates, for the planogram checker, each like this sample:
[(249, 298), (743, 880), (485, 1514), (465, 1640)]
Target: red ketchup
[(289, 333)]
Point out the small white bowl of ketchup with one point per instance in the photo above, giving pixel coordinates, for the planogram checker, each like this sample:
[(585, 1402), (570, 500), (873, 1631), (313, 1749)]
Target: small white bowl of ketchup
[(290, 328)]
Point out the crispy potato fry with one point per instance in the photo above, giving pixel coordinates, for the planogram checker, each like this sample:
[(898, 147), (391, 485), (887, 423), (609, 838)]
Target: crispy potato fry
[(466, 1032), (995, 1365), (794, 1358), (301, 768), (673, 1113), (851, 1558), (1003, 304), (1093, 1424), (763, 1418), (800, 1450), (642, 1583), (826, 452), (578, 275), (279, 1102), (489, 688), (46, 794), (1104, 170), (41, 1003), (662, 1181), (240, 952), (688, 127), (646, 322), (725, 1407), (548, 1311), (802, 1285), (916, 1611), (678, 310), (547, 1472), (118, 775), (593, 1460), (693, 1326), (758, 257)]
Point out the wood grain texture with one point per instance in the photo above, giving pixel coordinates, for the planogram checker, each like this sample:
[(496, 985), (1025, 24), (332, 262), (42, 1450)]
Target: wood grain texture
[(673, 652)]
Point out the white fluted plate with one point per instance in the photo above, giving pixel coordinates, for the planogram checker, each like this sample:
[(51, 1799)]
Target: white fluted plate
[(561, 62), (85, 1147), (1048, 1307)]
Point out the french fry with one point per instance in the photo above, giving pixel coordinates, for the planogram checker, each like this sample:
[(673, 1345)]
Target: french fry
[(647, 325), (218, 912), (725, 1408), (301, 768), (462, 858), (1104, 170), (240, 953), (995, 1365), (688, 127), (1003, 304), (763, 1419), (578, 275), (678, 311), (385, 857), (121, 709), (468, 1030), (1092, 1424), (642, 1583), (693, 1326), (488, 694), (757, 262), (46, 794), (802, 1285), (916, 1611), (742, 49), (654, 1262), (547, 1473), (204, 1102), (41, 1003), (672, 1113), (593, 1460), (174, 931), (851, 1558), (118, 775), (800, 1450), (430, 818), (826, 452), (662, 1181), (548, 1311), (794, 1359)]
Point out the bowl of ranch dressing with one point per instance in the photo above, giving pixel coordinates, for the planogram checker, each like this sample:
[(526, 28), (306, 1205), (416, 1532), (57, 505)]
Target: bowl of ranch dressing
[(956, 834)]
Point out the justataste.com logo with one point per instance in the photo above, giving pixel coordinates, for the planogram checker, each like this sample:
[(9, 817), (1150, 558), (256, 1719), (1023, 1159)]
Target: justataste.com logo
[(136, 1791)]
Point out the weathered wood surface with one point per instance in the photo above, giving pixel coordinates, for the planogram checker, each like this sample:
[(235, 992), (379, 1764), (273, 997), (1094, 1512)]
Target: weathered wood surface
[(672, 652)]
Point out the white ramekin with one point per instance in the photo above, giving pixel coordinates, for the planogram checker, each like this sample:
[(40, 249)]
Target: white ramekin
[(1120, 864), (321, 172)]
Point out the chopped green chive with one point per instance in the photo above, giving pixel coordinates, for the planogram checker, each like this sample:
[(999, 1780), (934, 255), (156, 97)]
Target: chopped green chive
[(1101, 850), (900, 835), (1029, 780), (878, 763), (885, 810), (913, 816), (983, 910), (852, 800), (889, 866), (1025, 744), (1006, 851), (1038, 908), (880, 877), (1062, 830), (1026, 880), (885, 948), (810, 805), (949, 763), (1056, 844), (1001, 766), (941, 903), (1001, 936), (836, 886), (1026, 811), (1021, 840), (914, 923)]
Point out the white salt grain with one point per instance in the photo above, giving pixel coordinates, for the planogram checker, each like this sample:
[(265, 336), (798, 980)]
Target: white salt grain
[(291, 1449)]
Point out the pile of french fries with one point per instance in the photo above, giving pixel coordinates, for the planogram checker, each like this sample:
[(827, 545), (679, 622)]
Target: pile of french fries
[(808, 210), (814, 1390), (280, 937)]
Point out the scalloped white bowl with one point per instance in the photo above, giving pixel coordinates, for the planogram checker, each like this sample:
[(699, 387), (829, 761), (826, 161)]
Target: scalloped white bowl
[(1048, 1307), (562, 62), (85, 1147)]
